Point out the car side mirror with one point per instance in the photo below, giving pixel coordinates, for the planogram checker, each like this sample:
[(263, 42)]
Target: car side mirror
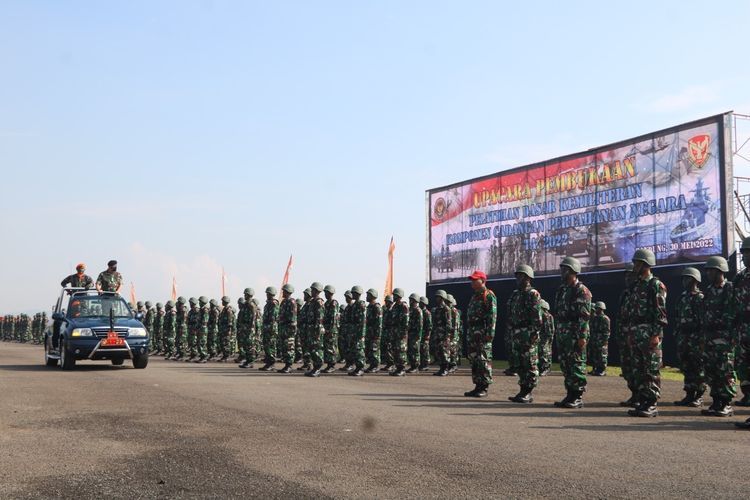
[(58, 316), (139, 316)]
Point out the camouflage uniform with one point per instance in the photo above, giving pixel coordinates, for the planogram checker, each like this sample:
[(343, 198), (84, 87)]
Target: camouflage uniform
[(524, 324), (442, 324), (386, 350), (301, 346), (546, 336), (314, 333), (399, 333), (424, 349), (624, 330), (344, 333), (287, 329), (227, 328), (572, 313), (481, 316), (109, 281), (357, 315), (202, 343), (245, 325), (212, 337), (193, 323), (148, 322), (648, 317), (599, 345), (169, 330), (414, 338), (456, 338), (78, 281), (741, 284), (157, 342), (720, 336), (373, 333), (331, 320), (181, 333), (690, 341), (270, 330)]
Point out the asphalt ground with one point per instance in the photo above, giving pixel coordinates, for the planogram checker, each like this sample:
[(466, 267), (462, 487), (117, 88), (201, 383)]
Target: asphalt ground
[(183, 430)]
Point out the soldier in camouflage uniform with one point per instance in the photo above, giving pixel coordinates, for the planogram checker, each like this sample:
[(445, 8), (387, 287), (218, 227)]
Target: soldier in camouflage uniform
[(545, 339), (424, 348), (25, 328), (331, 320), (148, 322), (648, 316), (623, 333), (180, 337), (78, 280), (157, 335), (140, 309), (169, 329), (572, 314), (251, 332), (244, 319), (204, 312), (345, 332), (442, 322), (357, 323), (524, 312), (301, 344), (720, 335), (481, 317), (315, 330), (386, 349), (109, 280), (193, 323), (212, 337), (689, 337), (227, 324), (414, 339), (373, 331), (399, 332), (456, 335), (599, 345), (270, 329), (741, 284), (287, 327)]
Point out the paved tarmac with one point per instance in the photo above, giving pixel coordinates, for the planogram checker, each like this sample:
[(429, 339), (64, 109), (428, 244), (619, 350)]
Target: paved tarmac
[(183, 430)]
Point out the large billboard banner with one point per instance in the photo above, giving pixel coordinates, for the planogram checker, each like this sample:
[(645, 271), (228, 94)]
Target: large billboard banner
[(663, 193)]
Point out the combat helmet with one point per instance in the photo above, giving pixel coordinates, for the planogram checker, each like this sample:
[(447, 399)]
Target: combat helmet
[(271, 290), (601, 305), (249, 291), (692, 273), (524, 269), (645, 255), (572, 263), (373, 293), (717, 262), (288, 288), (330, 289)]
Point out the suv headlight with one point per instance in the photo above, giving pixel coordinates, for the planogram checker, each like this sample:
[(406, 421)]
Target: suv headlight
[(82, 332), (137, 332)]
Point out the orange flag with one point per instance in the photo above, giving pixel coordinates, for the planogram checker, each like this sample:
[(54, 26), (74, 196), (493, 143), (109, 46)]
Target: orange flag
[(132, 294), (174, 289), (286, 274), (223, 283), (389, 272)]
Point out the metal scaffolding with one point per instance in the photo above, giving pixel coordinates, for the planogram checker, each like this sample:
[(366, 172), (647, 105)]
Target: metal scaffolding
[(741, 167)]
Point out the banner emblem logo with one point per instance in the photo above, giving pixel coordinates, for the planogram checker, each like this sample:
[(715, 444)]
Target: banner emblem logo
[(439, 208), (698, 150)]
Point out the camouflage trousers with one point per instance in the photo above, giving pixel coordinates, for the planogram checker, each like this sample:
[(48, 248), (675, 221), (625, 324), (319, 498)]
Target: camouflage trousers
[(226, 343), (180, 341), (372, 347), (424, 350), (301, 349), (386, 354), (742, 361), (545, 351), (598, 350), (356, 353), (168, 344), (244, 341), (433, 347), (192, 342), (690, 347), (626, 358), (455, 357), (443, 349), (527, 357), (646, 361), (341, 343), (287, 334), (719, 365), (398, 348), (480, 355), (572, 358), (510, 350), (269, 344), (314, 337), (212, 342), (156, 342), (200, 344), (330, 351), (413, 346)]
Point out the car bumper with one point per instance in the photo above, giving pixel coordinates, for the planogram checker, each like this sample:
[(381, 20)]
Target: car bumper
[(92, 348)]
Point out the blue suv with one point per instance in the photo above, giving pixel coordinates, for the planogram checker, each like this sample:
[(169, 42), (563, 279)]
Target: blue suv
[(87, 324)]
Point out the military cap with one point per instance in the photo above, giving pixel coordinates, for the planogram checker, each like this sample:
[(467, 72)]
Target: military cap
[(203, 300), (213, 302), (451, 300), (478, 275), (645, 255), (158, 305), (193, 301), (112, 263), (170, 304), (300, 302), (693, 273), (241, 300), (330, 289), (139, 304), (572, 263), (249, 291), (271, 290), (524, 269), (225, 300), (148, 304), (372, 292), (389, 298), (414, 297), (358, 289), (307, 291), (442, 294), (601, 305), (399, 292), (348, 294), (316, 286), (745, 244), (288, 288), (180, 300), (717, 262), (545, 305), (424, 300)]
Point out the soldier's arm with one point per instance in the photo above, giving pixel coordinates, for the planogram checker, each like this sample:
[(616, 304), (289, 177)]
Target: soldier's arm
[(534, 305), (65, 281)]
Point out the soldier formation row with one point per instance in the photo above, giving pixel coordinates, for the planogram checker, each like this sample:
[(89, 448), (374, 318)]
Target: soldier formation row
[(23, 328)]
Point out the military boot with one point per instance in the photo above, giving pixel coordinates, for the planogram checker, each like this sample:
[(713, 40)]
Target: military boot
[(373, 367), (745, 401), (328, 369), (345, 368), (314, 372), (561, 404), (246, 364), (398, 372), (689, 397), (424, 368), (287, 368), (473, 392), (357, 372), (724, 409), (412, 369), (576, 400), (644, 410), (510, 372), (697, 401), (711, 410), (267, 367), (523, 396), (442, 372), (482, 392), (631, 402)]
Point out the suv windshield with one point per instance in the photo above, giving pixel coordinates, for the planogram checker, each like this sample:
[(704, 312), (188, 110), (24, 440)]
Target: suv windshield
[(96, 306)]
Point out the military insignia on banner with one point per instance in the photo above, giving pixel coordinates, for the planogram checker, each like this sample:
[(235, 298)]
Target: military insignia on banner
[(440, 208), (698, 150)]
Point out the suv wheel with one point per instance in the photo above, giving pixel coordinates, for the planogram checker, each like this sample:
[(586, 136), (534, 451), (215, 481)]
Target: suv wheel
[(140, 361), (67, 362)]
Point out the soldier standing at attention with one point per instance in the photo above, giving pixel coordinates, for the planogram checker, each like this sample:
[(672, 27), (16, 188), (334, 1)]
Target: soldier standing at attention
[(424, 348), (314, 335), (331, 320), (416, 322), (545, 340), (181, 333), (648, 317), (226, 325), (386, 349), (287, 327), (345, 331), (720, 336), (572, 314), (250, 344), (158, 343), (169, 329), (481, 317), (212, 340), (202, 330), (599, 345), (399, 332), (455, 334), (525, 324), (78, 280), (148, 321), (373, 331), (109, 280), (442, 318), (302, 346), (742, 303), (193, 322), (689, 338), (270, 329), (357, 313), (244, 319), (624, 328)]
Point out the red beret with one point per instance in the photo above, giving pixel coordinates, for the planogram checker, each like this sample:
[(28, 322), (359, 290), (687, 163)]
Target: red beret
[(478, 275)]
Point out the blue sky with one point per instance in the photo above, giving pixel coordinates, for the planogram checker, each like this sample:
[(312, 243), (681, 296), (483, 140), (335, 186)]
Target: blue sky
[(180, 137)]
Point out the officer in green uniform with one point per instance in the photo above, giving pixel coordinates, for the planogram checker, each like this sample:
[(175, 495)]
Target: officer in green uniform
[(599, 345), (270, 329), (481, 317), (287, 327), (525, 324), (689, 336), (331, 321), (545, 340)]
